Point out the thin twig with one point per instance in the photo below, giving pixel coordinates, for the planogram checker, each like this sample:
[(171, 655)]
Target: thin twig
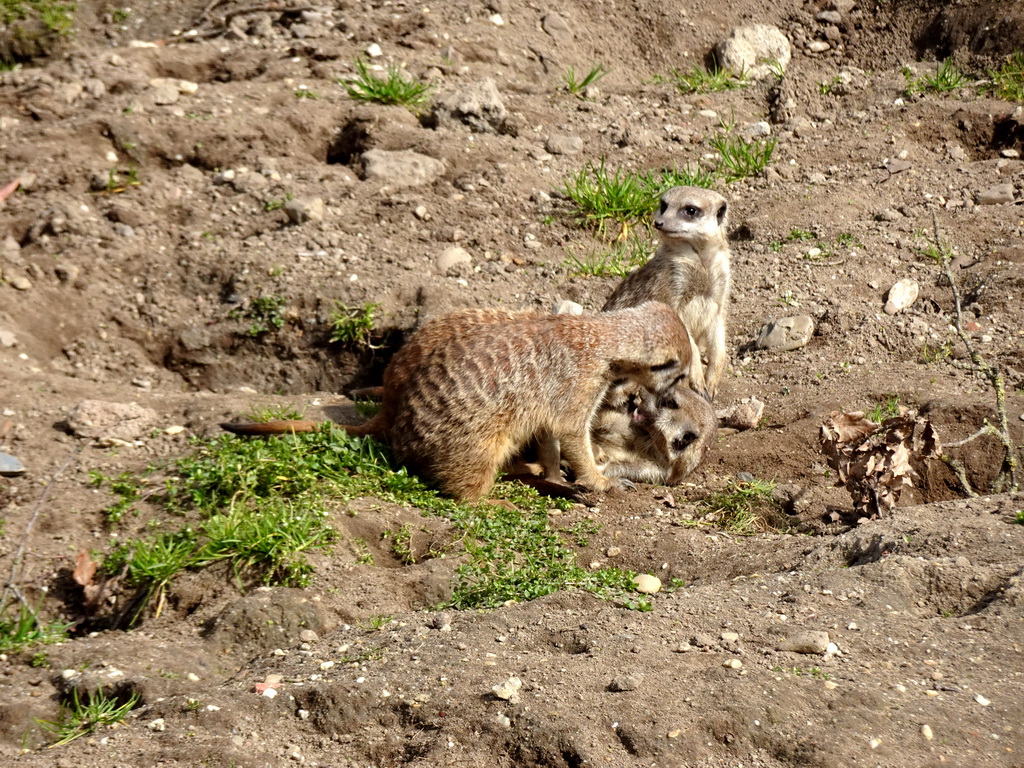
[(18, 559), (1007, 478)]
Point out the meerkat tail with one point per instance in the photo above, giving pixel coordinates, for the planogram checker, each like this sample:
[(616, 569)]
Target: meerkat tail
[(288, 426), (370, 393)]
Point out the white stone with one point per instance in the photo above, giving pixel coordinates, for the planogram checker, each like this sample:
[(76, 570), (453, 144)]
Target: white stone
[(901, 295), (646, 583), (754, 51)]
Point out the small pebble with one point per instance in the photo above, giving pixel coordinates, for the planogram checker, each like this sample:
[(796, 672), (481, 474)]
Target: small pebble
[(732, 663), (647, 584), (157, 725), (981, 700), (926, 731)]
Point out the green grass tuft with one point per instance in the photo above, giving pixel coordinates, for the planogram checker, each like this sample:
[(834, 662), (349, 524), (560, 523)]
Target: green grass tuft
[(947, 78), (601, 196), (394, 88), (700, 80), (55, 15), (353, 325), (886, 408), (21, 627), (740, 158), (618, 259), (741, 507), (80, 718), (577, 86), (1008, 80)]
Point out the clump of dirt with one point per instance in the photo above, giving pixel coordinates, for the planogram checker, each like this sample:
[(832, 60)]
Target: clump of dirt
[(197, 191)]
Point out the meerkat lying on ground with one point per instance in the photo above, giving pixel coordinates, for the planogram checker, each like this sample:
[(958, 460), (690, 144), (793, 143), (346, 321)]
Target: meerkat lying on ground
[(689, 272), (470, 388), (646, 438)]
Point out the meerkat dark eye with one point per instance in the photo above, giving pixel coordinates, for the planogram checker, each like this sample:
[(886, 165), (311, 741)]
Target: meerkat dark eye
[(681, 443), (691, 211), (666, 366), (663, 207), (670, 403)]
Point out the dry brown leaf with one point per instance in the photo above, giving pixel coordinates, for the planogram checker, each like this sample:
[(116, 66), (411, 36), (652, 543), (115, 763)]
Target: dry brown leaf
[(8, 189), (85, 569)]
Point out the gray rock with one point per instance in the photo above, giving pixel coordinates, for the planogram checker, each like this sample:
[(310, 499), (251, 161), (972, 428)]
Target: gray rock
[(20, 282), (477, 105), (10, 245), (830, 17), (564, 145), (8, 339), (403, 168), (166, 94), (116, 421), (818, 46), (301, 210), (626, 683), (743, 415), (10, 466), (997, 195), (785, 334), (557, 27), (308, 636), (805, 642), (749, 49), (566, 307), (758, 130), (450, 257)]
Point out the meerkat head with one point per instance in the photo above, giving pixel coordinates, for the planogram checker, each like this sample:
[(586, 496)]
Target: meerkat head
[(684, 426), (692, 214)]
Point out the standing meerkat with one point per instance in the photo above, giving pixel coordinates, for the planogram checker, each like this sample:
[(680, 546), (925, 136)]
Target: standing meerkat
[(470, 388), (689, 272)]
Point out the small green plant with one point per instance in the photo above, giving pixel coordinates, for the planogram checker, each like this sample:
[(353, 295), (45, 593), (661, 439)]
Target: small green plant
[(936, 353), (946, 78), (277, 203), (401, 544), (741, 158), (815, 672), (1019, 517), (193, 705), (353, 325), (21, 627), (302, 92), (848, 240), (55, 15), (576, 86), (80, 718), (120, 15), (119, 181), (1008, 80), (700, 80), (581, 530), (886, 408), (618, 259), (740, 508), (395, 88), (274, 413), (827, 87), (362, 550), (799, 235), (378, 622), (8, 66), (125, 486), (266, 312), (788, 299)]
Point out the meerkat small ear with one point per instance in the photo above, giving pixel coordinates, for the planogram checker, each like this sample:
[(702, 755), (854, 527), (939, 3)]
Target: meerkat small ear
[(722, 213)]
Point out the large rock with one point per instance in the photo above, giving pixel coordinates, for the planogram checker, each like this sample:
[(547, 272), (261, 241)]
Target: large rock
[(403, 168), (753, 51), (786, 333), (477, 105), (111, 421)]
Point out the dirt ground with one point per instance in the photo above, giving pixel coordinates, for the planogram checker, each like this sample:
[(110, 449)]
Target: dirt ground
[(147, 223)]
